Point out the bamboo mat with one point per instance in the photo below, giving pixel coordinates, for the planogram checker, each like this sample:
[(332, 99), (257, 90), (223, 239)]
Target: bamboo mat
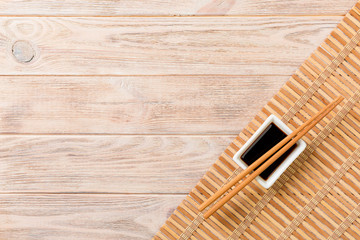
[(318, 196)]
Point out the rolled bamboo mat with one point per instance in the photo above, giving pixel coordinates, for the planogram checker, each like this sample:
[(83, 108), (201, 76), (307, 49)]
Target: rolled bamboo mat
[(318, 196)]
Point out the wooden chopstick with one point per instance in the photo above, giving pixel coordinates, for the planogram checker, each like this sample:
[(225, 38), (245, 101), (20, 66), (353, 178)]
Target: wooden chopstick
[(255, 164), (305, 127)]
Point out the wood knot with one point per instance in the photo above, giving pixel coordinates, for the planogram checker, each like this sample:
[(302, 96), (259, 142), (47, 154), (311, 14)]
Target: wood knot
[(23, 51)]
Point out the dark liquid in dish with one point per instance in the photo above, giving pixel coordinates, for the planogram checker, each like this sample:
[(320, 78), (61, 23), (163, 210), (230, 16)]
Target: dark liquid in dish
[(271, 136)]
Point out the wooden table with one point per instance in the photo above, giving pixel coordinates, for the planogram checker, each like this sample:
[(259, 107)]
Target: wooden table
[(111, 111)]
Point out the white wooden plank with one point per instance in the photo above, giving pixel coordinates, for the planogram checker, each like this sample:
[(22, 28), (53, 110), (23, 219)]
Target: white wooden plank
[(83, 216), (159, 45), (106, 164), (168, 8), (132, 105)]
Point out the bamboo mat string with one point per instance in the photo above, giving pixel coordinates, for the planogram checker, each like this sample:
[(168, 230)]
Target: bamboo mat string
[(192, 227), (200, 217), (326, 188), (312, 204), (345, 224)]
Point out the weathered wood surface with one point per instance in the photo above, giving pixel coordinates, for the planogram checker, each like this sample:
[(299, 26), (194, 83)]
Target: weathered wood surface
[(159, 45), (132, 105), (171, 8), (173, 92), (83, 216), (106, 164)]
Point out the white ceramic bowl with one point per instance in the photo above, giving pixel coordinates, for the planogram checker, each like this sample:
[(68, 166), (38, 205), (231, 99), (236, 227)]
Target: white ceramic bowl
[(284, 165)]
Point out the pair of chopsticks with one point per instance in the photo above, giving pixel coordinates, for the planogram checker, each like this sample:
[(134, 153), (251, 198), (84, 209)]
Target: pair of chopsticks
[(267, 159)]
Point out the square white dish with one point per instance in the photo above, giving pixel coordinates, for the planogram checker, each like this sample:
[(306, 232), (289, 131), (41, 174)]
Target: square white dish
[(301, 145)]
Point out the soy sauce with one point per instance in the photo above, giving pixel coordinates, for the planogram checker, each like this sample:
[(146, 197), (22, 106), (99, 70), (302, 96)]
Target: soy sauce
[(271, 136)]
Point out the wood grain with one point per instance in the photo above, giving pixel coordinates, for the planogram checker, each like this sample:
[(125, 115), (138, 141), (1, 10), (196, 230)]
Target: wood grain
[(160, 45), (83, 216), (126, 104), (106, 164), (168, 8), (132, 105)]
